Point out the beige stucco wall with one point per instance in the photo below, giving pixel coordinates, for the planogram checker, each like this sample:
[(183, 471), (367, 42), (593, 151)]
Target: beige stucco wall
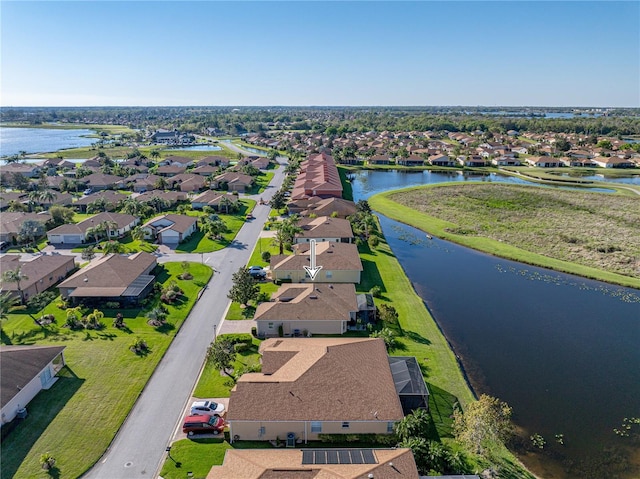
[(251, 430), (325, 326)]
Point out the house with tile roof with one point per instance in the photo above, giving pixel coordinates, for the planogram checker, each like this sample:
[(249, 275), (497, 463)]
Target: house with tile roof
[(314, 386), (112, 277), (214, 199), (340, 263), (111, 198), (26, 370), (11, 222), (350, 463), (314, 308)]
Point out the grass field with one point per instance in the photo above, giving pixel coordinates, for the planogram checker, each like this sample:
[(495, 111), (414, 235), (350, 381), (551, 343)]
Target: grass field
[(590, 234), (79, 416)]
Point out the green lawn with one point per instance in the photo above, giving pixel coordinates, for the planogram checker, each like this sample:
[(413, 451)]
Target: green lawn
[(264, 244), (194, 455), (214, 384), (235, 312), (199, 243), (101, 371), (261, 183)]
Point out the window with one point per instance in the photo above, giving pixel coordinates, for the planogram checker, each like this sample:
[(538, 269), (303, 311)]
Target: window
[(270, 325), (316, 426), (263, 430), (345, 425), (390, 426), (329, 274)]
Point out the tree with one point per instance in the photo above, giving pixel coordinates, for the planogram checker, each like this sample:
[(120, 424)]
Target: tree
[(97, 206), (161, 183), (61, 215), (487, 419), (16, 276), (416, 424), (286, 231), (221, 354), (278, 200), (93, 320), (16, 206), (155, 154), (244, 287), (137, 233), (387, 335), (88, 253), (108, 226), (214, 226), (131, 207), (363, 205), (30, 230), (19, 181), (8, 303), (606, 144), (47, 196), (112, 247)]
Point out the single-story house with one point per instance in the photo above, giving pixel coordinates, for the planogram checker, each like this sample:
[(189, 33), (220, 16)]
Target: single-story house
[(77, 233), (379, 160), (170, 170), (544, 162), (176, 160), (344, 463), (214, 161), (42, 272), (320, 386), (8, 196), (214, 199), (187, 182), (338, 207), (205, 170), (170, 229), (26, 370), (11, 222), (112, 277), (233, 181), (142, 182), (613, 162), (30, 170), (312, 307), (324, 228), (441, 160), (111, 198), (100, 181), (506, 161), (171, 197), (472, 161), (410, 161), (340, 263)]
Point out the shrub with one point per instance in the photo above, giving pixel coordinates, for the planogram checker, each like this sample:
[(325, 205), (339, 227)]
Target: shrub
[(280, 330), (240, 347), (112, 305), (235, 338), (374, 241), (263, 297), (139, 346), (47, 461), (254, 331), (266, 256), (118, 321), (61, 305), (39, 301), (376, 292)]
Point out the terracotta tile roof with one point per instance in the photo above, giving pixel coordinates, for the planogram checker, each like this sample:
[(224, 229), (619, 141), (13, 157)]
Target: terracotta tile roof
[(326, 379), (287, 464), (312, 301), (332, 256)]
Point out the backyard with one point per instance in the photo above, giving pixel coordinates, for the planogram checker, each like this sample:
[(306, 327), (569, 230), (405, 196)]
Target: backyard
[(102, 379)]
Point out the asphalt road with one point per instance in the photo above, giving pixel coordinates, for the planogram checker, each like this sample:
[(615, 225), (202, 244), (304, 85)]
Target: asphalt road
[(139, 448)]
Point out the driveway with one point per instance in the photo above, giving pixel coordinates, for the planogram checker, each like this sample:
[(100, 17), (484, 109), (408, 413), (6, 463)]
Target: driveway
[(138, 449)]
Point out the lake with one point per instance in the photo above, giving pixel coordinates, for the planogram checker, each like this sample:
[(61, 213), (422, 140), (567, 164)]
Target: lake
[(561, 350), (42, 140), (196, 148)]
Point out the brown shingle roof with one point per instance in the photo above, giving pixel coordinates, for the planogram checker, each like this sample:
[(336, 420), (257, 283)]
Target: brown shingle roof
[(287, 464), (20, 364), (111, 273), (327, 379), (314, 302), (332, 256), (35, 269), (324, 227)]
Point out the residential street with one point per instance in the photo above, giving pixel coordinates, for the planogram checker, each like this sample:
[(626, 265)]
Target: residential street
[(139, 449)]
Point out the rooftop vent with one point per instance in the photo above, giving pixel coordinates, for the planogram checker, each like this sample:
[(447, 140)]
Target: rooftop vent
[(313, 296)]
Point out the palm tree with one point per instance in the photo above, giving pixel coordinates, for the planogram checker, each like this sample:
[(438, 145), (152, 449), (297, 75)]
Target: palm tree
[(137, 233), (15, 276), (224, 203), (8, 303), (155, 154), (131, 207), (286, 231), (47, 196), (34, 199), (112, 247), (161, 183), (108, 226)]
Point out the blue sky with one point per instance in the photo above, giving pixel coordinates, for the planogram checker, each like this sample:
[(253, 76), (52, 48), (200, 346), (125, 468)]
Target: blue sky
[(540, 53)]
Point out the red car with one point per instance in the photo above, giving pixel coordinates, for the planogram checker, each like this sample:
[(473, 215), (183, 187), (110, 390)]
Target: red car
[(203, 424)]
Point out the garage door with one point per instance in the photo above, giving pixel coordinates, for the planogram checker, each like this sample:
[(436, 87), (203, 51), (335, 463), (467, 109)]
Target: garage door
[(73, 239)]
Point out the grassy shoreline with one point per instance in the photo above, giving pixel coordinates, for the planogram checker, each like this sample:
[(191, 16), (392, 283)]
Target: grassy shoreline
[(385, 205)]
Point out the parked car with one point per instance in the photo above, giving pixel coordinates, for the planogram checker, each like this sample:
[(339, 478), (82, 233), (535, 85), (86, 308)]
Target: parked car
[(203, 424), (257, 272), (206, 407)]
